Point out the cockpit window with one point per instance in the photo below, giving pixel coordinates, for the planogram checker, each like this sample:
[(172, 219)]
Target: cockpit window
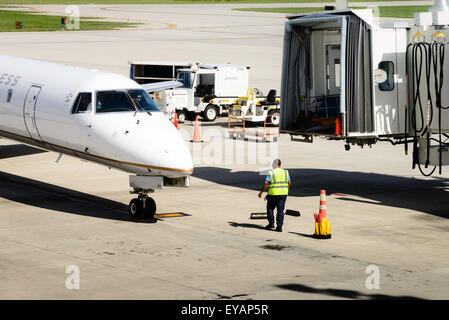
[(83, 103), (113, 101), (142, 100)]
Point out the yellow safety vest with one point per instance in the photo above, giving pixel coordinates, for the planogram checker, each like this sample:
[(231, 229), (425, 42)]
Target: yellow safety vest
[(279, 182)]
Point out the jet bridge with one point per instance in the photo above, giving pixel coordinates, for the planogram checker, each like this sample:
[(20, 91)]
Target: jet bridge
[(332, 78)]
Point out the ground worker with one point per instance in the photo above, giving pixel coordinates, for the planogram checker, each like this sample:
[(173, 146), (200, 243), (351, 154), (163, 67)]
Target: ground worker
[(277, 182)]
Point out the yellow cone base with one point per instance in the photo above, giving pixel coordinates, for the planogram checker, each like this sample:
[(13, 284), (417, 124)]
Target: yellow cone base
[(322, 229), (317, 236)]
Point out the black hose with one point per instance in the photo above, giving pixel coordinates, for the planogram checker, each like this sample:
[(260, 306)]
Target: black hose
[(438, 60), (407, 84), (431, 55)]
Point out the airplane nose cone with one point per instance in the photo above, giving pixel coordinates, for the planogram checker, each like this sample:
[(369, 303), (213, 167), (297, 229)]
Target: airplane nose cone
[(175, 152), (178, 159)]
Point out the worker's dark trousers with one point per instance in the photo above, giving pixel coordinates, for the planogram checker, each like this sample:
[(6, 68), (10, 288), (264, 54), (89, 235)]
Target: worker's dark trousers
[(279, 203)]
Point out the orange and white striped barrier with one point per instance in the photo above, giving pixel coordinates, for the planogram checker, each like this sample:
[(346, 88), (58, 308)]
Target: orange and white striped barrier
[(323, 203)]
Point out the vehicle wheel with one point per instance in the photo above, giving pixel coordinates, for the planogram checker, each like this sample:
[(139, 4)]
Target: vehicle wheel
[(150, 207), (275, 139), (182, 115), (210, 113), (274, 118), (135, 208)]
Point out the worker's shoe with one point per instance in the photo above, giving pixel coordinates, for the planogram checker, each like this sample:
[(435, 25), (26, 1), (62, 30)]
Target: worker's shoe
[(278, 229), (269, 226)]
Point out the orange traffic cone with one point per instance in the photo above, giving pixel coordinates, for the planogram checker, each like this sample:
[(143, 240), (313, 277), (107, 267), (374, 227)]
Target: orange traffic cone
[(196, 131), (322, 224), (337, 127), (175, 121)]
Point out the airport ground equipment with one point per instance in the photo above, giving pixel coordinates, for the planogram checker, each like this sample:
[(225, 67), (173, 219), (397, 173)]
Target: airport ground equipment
[(255, 108), (207, 89), (252, 110), (263, 215), (258, 215), (237, 129), (294, 213), (346, 77), (146, 72)]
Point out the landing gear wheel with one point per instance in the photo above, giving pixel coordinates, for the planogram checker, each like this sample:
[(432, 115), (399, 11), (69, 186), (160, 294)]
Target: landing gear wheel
[(273, 118), (210, 113), (150, 207), (182, 115), (135, 208)]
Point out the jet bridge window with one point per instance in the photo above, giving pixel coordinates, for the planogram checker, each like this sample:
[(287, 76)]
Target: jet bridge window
[(388, 84), (113, 101), (337, 72), (83, 103)]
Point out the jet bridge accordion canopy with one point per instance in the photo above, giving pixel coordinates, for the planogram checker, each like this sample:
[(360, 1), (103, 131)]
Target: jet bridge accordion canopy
[(356, 91)]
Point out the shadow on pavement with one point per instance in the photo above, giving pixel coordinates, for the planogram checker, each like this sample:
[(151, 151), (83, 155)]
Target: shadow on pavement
[(424, 195), (49, 196), (302, 234), (18, 150), (246, 225), (341, 293)]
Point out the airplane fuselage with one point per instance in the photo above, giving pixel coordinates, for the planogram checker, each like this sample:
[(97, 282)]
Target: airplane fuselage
[(101, 117)]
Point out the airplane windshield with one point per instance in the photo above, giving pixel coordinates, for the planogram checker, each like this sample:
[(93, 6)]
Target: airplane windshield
[(113, 101), (142, 100)]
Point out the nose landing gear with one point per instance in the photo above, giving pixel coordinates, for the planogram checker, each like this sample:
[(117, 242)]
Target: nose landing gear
[(142, 206)]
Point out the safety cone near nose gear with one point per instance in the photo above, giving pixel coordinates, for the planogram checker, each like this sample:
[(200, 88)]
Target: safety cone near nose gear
[(322, 224), (175, 121), (196, 131)]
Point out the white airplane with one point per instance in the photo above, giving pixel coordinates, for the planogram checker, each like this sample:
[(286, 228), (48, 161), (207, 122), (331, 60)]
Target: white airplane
[(97, 116)]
